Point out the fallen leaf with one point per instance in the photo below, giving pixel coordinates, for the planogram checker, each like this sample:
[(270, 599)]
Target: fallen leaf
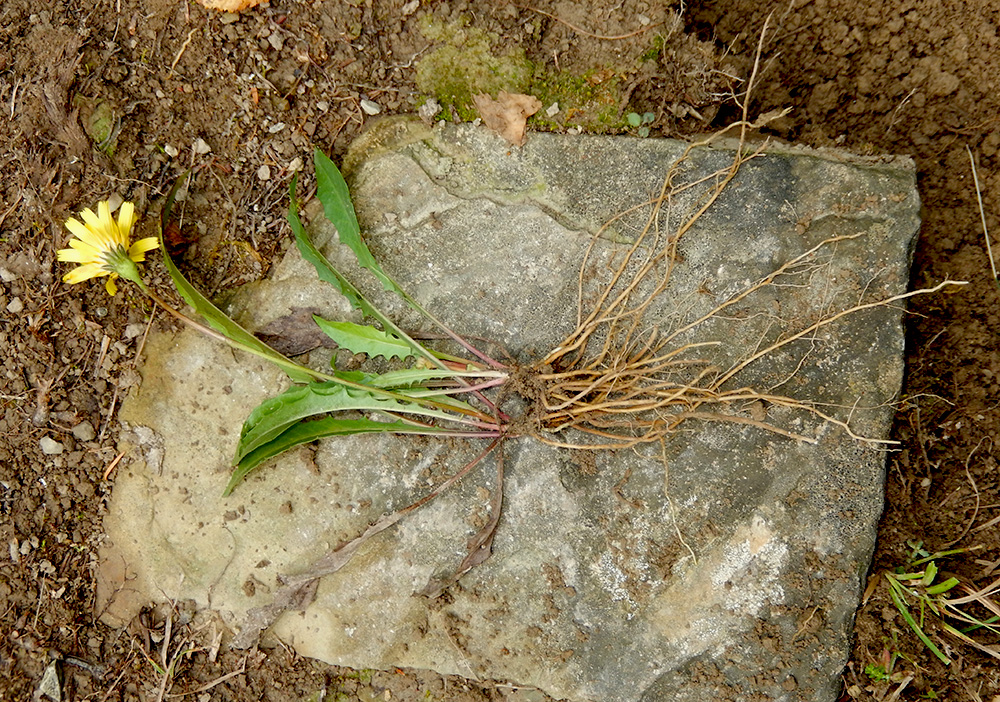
[(230, 5), (294, 334), (508, 114)]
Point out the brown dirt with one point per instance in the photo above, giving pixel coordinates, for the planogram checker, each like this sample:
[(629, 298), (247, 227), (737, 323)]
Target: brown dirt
[(895, 76)]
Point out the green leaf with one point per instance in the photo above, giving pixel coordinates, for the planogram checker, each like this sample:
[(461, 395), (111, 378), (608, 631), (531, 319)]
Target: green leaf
[(942, 587), (216, 318), (633, 119), (273, 416), (360, 338), (904, 610), (333, 193), (329, 274), (324, 269), (411, 376), (310, 430), (930, 572)]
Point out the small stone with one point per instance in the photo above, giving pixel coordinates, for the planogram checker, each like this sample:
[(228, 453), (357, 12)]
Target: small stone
[(115, 201), (264, 172), (7, 275), (49, 685), (410, 7), (275, 128), (429, 110), (552, 109), (170, 151), (275, 41), (296, 164), (200, 146), (50, 447), (15, 305), (84, 431), (133, 330), (229, 18), (323, 106), (370, 107)]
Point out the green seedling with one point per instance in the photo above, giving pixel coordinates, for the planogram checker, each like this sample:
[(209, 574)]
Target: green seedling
[(920, 595), (642, 122)]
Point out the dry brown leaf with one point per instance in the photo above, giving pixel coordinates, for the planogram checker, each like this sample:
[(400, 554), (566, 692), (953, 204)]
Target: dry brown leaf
[(508, 114), (230, 5)]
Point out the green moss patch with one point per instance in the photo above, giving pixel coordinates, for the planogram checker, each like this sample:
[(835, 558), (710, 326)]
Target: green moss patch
[(465, 64)]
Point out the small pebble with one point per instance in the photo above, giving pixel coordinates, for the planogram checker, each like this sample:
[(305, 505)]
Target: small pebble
[(50, 447), (115, 201), (296, 164), (15, 305), (275, 128), (553, 109), (170, 151), (133, 330), (370, 107), (275, 41), (229, 18), (200, 146), (84, 431), (264, 172), (428, 111)]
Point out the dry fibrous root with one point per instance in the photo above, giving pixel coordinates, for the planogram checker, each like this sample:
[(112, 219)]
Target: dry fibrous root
[(622, 380), (619, 378)]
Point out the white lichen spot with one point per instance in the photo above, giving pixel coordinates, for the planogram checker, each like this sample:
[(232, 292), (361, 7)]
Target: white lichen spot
[(613, 579), (751, 569)]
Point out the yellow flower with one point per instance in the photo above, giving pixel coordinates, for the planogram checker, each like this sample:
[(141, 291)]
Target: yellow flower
[(101, 247)]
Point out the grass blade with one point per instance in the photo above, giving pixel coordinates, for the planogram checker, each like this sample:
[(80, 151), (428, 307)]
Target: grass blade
[(904, 610)]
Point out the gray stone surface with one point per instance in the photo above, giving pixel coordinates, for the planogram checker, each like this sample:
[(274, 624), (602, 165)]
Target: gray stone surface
[(727, 565)]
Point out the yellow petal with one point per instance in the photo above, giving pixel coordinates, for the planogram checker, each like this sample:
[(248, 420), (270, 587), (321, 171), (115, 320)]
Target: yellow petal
[(137, 252), (90, 219), (82, 273), (126, 218), (108, 227), (84, 233), (110, 285), (96, 254), (74, 256)]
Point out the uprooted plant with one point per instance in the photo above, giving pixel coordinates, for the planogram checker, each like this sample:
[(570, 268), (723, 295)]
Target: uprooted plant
[(619, 379)]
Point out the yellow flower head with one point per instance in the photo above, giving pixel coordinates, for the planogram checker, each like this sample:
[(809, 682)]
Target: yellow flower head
[(101, 247)]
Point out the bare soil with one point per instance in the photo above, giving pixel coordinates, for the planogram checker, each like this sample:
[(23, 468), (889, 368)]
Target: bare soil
[(105, 97)]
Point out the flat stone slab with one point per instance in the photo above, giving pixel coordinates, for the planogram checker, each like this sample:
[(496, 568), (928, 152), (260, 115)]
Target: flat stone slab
[(725, 564)]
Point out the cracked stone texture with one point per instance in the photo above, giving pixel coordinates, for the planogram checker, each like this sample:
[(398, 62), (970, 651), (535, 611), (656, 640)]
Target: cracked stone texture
[(726, 564)]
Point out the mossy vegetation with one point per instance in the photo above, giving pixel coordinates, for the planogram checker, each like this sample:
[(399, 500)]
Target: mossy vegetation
[(465, 64), (467, 61), (590, 101)]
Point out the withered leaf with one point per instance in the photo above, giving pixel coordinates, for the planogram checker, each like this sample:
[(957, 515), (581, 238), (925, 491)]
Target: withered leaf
[(508, 114), (294, 334)]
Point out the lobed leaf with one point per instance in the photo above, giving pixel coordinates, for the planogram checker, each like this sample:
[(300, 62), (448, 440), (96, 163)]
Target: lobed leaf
[(360, 338), (327, 273)]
